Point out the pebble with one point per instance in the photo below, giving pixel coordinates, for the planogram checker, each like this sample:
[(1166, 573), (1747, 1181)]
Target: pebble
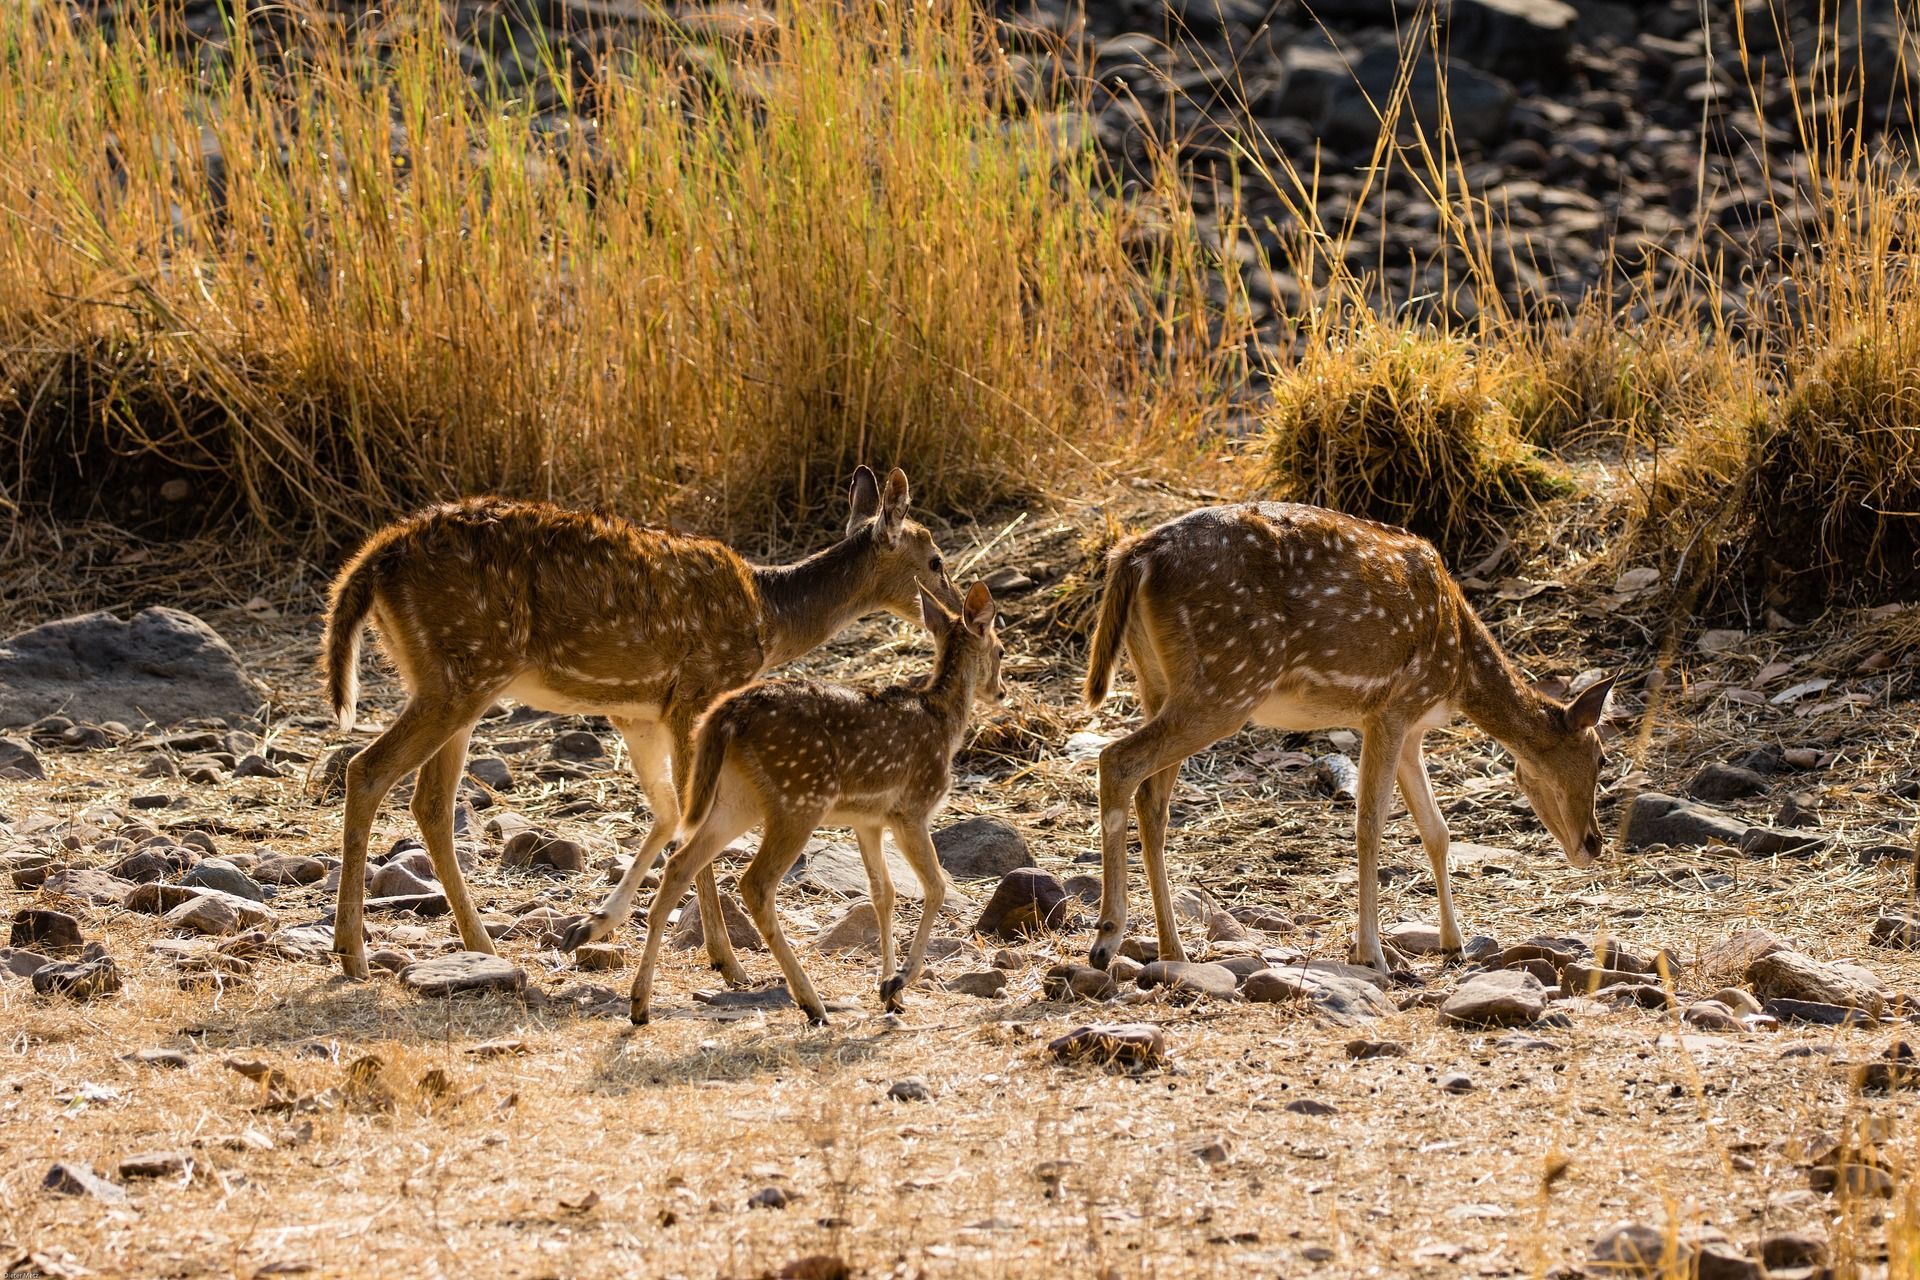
[(81, 980), (221, 875), (1899, 930), (256, 766), (289, 869), (1025, 902), (1130, 1045), (68, 1178), (1361, 1050), (491, 772), (856, 929), (1456, 1082), (538, 849), (769, 1198), (464, 971), (155, 1164), (166, 1059), (389, 959), (1213, 980), (49, 932), (1500, 999), (980, 847), (983, 984), (577, 744), (911, 1089), (1310, 1107)]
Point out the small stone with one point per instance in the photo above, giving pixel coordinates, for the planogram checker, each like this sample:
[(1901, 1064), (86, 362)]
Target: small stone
[(18, 763), (542, 849), (981, 847), (1213, 1151), (389, 959), (397, 880), (1816, 1014), (1789, 975), (1520, 954), (1085, 889), (1456, 1082), (983, 984), (1129, 1045), (491, 772), (1412, 938), (21, 964), (1364, 1050), (71, 1179), (1718, 1260), (1897, 929), (577, 744), (288, 869), (463, 971), (81, 980), (1222, 927), (202, 770), (1337, 992), (911, 1089), (1859, 1180), (1140, 950), (216, 913), (1719, 783), (50, 932), (1310, 1107), (769, 1198), (1127, 972), (155, 1164), (164, 1059), (221, 875), (1792, 1249), (1711, 1015), (690, 930), (1634, 1249), (1584, 979), (1025, 902), (1500, 999), (1263, 919), (856, 929), (256, 766), (1480, 949), (599, 956), (1738, 999), (1213, 980), (1797, 810), (1077, 980)]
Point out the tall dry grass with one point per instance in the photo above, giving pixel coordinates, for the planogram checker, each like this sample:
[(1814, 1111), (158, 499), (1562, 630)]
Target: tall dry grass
[(332, 284)]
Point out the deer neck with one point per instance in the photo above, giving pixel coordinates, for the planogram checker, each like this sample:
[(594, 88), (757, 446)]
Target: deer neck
[(948, 696), (1492, 695), (805, 604)]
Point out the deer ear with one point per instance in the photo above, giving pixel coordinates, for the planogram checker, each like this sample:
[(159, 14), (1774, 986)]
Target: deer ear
[(977, 610), (863, 499), (1584, 712), (893, 507), (934, 614)]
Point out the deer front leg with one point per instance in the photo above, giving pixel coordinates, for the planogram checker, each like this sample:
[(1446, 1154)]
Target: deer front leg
[(1432, 825), (916, 842), (727, 820), (647, 751), (880, 890), (1379, 750)]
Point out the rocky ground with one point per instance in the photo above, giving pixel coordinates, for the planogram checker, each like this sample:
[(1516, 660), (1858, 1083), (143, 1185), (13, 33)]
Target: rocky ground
[(1703, 1041)]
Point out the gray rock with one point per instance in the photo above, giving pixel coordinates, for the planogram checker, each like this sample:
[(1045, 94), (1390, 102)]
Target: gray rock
[(81, 980), (856, 929), (1128, 1045), (577, 744), (156, 1164), (164, 666), (1455, 1082), (1413, 938), (1767, 842), (984, 984), (88, 885), (689, 931), (1789, 975), (158, 899), (221, 875), (21, 964), (1503, 998), (1897, 929), (289, 869), (69, 1178), (770, 1198), (162, 1059), (18, 763), (219, 914), (1070, 981), (1477, 105), (1738, 953), (1213, 980), (1025, 902), (1083, 889), (981, 847), (1310, 1107), (461, 973), (1856, 1180), (834, 867), (1366, 1050), (492, 772), (1635, 1249), (1335, 996), (53, 933), (1720, 782), (1814, 1013), (912, 1089), (1792, 1249), (397, 880), (1520, 39), (1657, 819)]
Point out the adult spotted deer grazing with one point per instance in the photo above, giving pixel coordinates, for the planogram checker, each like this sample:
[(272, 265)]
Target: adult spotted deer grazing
[(1302, 619), (790, 755), (584, 614)]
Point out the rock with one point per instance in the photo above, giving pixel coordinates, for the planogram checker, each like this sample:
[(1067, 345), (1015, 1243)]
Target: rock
[(856, 929), (1519, 39), (397, 880), (81, 980), (577, 744), (156, 1164), (1455, 1082), (836, 868), (88, 885), (769, 1198), (1767, 842), (979, 847), (1139, 950), (1738, 953), (1719, 783), (219, 914), (912, 1089), (1063, 981), (599, 957), (288, 869), (689, 931), (542, 849), (983, 984), (70, 1179), (158, 899), (21, 964), (1132, 1046), (1737, 999), (1336, 996), (1583, 979), (1634, 1249), (1085, 889), (1025, 902), (1477, 105), (144, 866), (162, 1059), (1241, 967), (1213, 980), (1897, 929), (1335, 775), (427, 905), (1792, 1249), (333, 770), (1263, 919), (1503, 998), (1366, 1050), (221, 875), (1789, 975), (491, 772), (18, 763), (1816, 1014), (1658, 819), (389, 959), (1194, 904), (1520, 954), (52, 932), (1411, 938), (1858, 1180), (1222, 927), (162, 667), (1711, 1015), (462, 972), (1718, 1260)]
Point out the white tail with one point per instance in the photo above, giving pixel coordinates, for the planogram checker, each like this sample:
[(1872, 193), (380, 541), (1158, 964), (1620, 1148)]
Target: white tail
[(585, 614), (1302, 618), (791, 755)]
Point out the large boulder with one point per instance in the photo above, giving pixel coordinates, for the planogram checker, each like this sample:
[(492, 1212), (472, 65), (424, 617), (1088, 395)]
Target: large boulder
[(1475, 104), (981, 847), (162, 667), (1523, 40)]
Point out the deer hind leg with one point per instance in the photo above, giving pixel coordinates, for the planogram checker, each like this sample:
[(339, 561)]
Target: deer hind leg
[(423, 725), (1154, 803), (1379, 752), (1175, 732), (880, 889), (1432, 826), (731, 815), (780, 846), (434, 792), (917, 844), (713, 920), (647, 749)]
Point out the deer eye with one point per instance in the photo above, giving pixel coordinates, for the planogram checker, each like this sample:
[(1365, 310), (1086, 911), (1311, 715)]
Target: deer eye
[(934, 564)]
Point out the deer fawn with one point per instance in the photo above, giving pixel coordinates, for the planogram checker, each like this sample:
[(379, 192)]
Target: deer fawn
[(790, 756), (584, 614), (1301, 618)]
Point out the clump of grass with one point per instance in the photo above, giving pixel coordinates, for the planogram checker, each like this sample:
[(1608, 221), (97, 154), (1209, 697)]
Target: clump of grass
[(703, 283), (1407, 427)]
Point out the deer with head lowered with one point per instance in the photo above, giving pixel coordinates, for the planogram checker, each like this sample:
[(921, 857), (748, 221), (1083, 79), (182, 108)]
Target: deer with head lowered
[(791, 755), (1303, 619), (589, 615)]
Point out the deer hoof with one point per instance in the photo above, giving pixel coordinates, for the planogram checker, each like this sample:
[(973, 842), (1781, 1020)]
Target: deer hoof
[(354, 967), (637, 1014), (890, 994), (816, 1018), (579, 933)]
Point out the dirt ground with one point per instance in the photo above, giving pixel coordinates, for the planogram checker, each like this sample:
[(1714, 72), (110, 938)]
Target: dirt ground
[(547, 1137)]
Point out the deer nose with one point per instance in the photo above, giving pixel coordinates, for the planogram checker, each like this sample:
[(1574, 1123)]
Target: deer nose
[(1592, 847)]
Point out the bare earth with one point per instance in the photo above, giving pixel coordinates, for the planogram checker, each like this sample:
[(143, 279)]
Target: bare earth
[(584, 1147)]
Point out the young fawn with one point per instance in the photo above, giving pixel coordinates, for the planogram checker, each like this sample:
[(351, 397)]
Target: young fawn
[(790, 755), (584, 614), (1303, 619)]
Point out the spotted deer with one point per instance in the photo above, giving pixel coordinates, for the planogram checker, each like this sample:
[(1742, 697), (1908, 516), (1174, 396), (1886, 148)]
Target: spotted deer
[(584, 614), (789, 755), (1304, 619)]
